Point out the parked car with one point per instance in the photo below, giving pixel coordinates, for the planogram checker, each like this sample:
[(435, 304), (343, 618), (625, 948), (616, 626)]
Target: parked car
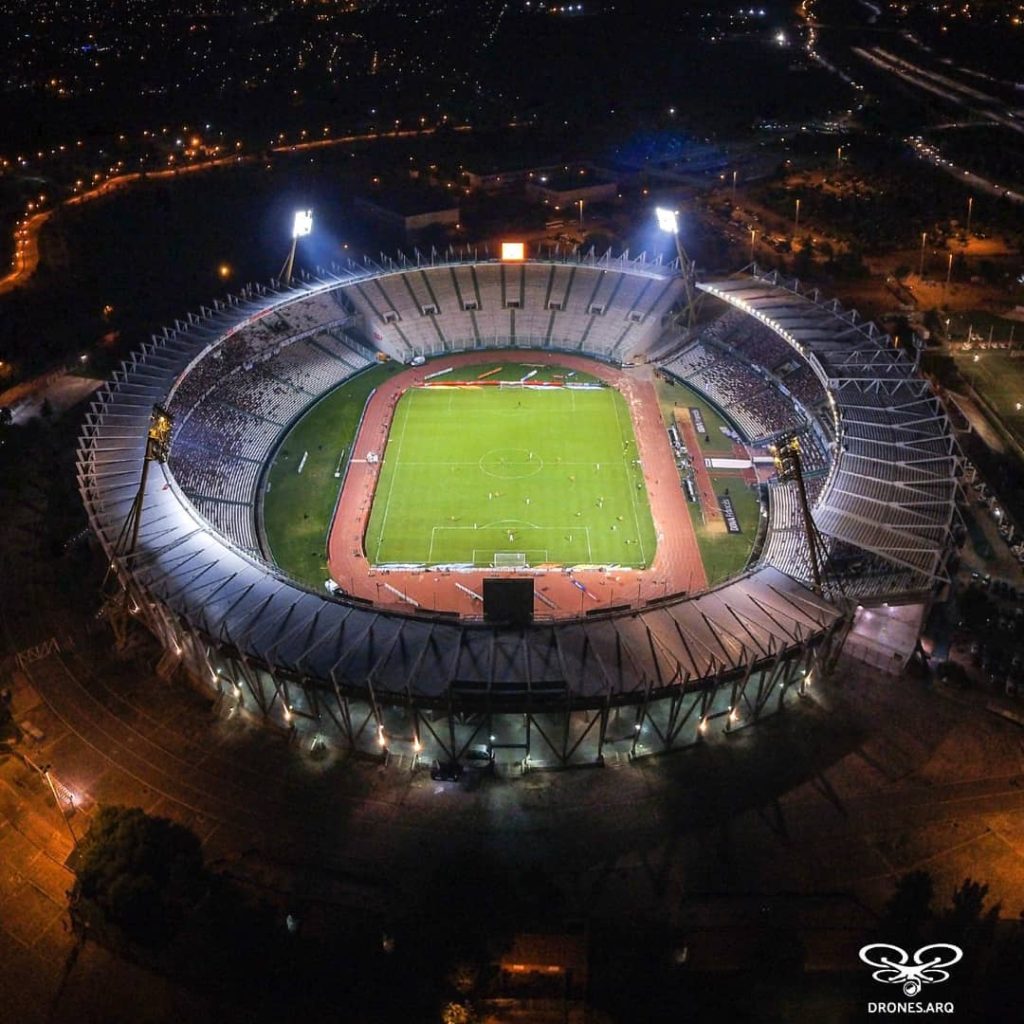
[(479, 759), (446, 771)]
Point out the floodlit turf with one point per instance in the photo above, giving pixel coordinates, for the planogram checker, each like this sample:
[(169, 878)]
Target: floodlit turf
[(673, 393), (726, 554), (999, 379), (723, 554), (297, 507), (479, 475)]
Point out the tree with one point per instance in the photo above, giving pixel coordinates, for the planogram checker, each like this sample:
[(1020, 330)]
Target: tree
[(457, 1013), (137, 875), (967, 921), (909, 909), (803, 262)]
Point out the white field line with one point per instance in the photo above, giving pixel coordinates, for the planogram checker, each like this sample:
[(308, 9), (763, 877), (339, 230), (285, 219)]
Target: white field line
[(631, 489), (391, 487)]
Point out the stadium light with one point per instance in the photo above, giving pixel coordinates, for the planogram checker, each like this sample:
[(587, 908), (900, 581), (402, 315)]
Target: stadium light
[(668, 220), (303, 223), (513, 251)]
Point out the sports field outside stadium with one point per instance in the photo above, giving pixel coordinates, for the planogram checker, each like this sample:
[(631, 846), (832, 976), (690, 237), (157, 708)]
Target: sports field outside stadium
[(999, 378), (490, 475)]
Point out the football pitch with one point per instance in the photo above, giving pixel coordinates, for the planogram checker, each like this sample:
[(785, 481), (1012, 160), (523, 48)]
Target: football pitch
[(505, 477), (999, 379)]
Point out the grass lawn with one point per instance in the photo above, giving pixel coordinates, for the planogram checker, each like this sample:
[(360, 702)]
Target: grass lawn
[(1000, 380), (471, 473), (671, 394), (725, 554), (297, 507)]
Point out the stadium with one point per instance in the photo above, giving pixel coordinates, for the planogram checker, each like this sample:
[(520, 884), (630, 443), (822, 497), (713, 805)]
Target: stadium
[(423, 508)]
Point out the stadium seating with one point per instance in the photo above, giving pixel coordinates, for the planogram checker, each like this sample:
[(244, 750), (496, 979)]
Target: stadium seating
[(608, 312), (749, 397), (234, 405)]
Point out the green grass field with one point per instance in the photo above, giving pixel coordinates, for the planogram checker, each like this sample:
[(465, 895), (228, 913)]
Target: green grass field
[(548, 476), (297, 507), (671, 394), (725, 554), (1000, 380)]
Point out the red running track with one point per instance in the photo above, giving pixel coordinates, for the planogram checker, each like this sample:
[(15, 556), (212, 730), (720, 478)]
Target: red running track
[(705, 488), (677, 565)]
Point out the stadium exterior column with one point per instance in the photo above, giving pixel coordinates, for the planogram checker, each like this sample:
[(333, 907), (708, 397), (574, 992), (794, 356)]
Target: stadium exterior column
[(675, 703), (697, 702), (778, 669), (253, 682), (641, 714), (451, 725), (567, 715), (202, 657), (741, 690), (602, 730)]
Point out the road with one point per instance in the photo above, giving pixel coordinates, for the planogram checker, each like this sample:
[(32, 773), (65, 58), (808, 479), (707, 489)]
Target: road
[(26, 232)]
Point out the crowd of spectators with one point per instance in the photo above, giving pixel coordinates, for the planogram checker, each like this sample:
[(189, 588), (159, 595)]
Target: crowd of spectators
[(232, 407)]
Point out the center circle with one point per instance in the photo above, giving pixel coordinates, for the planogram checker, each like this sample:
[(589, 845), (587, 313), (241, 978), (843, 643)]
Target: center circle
[(511, 463)]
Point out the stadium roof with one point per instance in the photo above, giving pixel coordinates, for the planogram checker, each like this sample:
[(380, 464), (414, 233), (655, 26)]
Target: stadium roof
[(236, 600), (892, 489)]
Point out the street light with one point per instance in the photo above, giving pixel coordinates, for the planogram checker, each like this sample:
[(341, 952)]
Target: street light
[(970, 210), (924, 236), (580, 202), (796, 220), (44, 771), (753, 235)]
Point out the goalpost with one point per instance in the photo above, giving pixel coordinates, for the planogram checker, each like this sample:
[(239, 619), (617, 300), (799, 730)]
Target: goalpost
[(509, 560)]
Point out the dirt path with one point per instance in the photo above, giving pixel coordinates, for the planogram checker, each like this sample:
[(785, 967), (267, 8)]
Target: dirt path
[(677, 565)]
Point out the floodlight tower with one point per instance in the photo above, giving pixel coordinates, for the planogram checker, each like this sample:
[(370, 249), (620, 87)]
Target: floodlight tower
[(668, 221), (302, 225), (118, 606), (158, 446), (789, 467)]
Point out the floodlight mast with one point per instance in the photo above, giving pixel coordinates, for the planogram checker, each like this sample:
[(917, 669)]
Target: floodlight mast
[(789, 466), (158, 446), (302, 225), (668, 221)]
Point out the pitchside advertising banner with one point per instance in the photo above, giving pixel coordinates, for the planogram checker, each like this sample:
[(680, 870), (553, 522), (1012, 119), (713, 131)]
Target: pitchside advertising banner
[(732, 523), (698, 421)]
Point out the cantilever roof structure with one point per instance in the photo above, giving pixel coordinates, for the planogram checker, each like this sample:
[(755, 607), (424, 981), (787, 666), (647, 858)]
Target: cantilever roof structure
[(236, 601), (893, 484)]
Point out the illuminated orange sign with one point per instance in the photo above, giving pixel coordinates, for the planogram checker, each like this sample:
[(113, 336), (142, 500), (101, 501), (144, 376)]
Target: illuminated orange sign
[(513, 251)]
